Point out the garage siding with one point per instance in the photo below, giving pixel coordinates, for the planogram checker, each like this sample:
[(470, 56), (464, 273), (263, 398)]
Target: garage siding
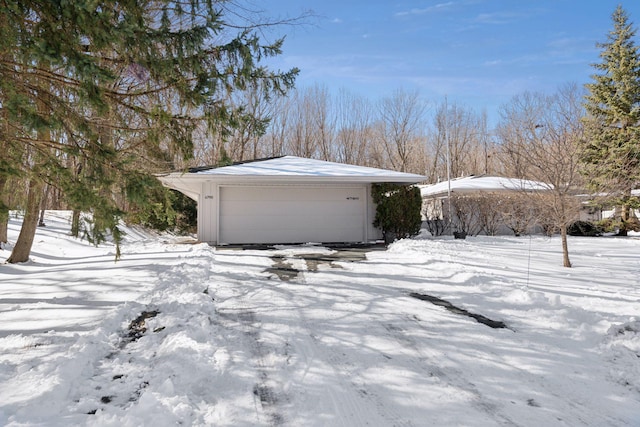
[(292, 214), (207, 213)]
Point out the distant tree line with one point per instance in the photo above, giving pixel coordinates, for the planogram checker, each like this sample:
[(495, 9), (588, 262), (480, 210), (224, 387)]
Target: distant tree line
[(401, 132)]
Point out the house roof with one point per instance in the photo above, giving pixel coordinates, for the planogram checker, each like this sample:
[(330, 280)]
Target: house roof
[(284, 169), (292, 166), (473, 184)]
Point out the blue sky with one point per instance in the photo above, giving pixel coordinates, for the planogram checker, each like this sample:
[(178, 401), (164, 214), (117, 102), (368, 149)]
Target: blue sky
[(477, 53)]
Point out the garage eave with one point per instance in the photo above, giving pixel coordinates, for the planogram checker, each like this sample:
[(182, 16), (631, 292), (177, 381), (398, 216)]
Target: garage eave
[(186, 179), (182, 183)]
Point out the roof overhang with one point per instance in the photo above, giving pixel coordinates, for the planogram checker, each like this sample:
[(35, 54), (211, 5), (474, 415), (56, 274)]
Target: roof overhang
[(282, 171)]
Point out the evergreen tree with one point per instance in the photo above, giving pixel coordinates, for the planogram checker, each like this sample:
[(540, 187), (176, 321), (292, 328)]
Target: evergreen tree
[(611, 149), (398, 210), (96, 96)]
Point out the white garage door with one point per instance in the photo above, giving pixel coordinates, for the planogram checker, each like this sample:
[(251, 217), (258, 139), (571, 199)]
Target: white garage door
[(266, 214)]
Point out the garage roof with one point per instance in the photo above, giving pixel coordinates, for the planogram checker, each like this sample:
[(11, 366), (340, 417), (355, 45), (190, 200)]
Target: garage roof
[(292, 166), (282, 170)]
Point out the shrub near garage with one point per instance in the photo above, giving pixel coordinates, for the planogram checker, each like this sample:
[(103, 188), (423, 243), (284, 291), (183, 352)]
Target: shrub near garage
[(169, 210), (398, 210)]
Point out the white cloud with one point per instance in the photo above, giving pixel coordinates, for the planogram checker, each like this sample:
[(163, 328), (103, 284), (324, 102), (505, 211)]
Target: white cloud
[(416, 11), (493, 62), (497, 18)]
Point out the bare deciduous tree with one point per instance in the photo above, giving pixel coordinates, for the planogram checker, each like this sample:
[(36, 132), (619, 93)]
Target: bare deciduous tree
[(489, 216), (302, 140), (401, 125), (323, 121), (460, 141), (546, 131), (244, 140), (279, 128), (354, 115), (517, 213)]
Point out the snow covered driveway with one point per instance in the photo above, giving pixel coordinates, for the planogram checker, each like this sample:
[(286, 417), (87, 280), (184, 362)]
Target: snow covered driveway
[(192, 335)]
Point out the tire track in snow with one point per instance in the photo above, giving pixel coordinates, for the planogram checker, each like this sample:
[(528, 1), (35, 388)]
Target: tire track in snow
[(356, 395), (537, 384), (267, 393), (301, 379), (353, 390), (449, 376), (353, 400)]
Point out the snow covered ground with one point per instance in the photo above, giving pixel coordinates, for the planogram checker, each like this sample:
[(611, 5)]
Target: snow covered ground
[(186, 334)]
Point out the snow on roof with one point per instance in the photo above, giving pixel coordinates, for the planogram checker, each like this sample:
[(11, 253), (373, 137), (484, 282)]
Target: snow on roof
[(472, 184), (282, 170), (288, 169), (299, 166)]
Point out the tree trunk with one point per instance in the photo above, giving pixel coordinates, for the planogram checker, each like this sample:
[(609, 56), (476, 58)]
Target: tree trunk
[(22, 248), (43, 207), (565, 246), (75, 223), (4, 229), (4, 213), (624, 217)]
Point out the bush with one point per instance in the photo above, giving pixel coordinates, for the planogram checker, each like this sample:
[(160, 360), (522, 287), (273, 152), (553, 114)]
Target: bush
[(186, 213), (398, 210), (583, 228), (436, 227), (165, 210), (466, 211)]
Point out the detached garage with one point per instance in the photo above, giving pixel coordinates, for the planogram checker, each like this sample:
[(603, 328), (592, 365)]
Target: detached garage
[(285, 200)]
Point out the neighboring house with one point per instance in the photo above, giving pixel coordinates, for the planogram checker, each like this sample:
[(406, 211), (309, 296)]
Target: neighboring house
[(436, 194), (435, 198), (284, 200)]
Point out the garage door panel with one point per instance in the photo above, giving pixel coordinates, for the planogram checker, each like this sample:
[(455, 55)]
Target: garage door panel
[(279, 208), (284, 193), (291, 214), (282, 205)]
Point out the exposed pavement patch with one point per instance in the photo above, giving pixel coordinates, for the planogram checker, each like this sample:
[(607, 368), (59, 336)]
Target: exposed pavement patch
[(285, 271), (345, 255), (457, 310)]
